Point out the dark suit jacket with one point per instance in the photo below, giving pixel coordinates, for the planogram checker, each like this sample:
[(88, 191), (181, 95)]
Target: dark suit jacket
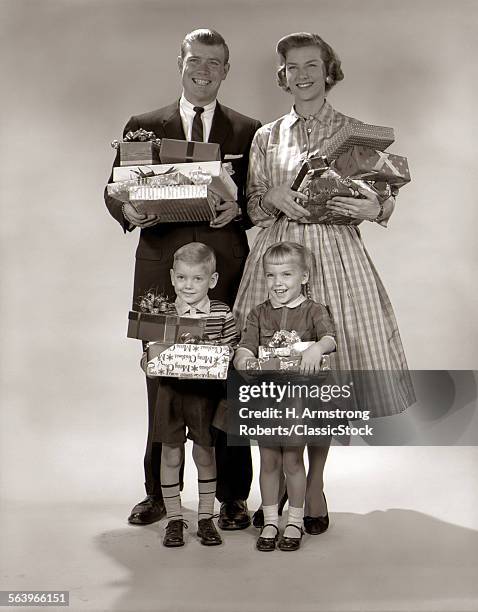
[(234, 133)]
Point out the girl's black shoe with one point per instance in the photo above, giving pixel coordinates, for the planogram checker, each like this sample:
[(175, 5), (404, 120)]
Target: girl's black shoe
[(290, 544), (267, 544)]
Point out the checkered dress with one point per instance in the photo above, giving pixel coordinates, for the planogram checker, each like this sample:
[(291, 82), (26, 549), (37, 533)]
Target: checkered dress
[(342, 276)]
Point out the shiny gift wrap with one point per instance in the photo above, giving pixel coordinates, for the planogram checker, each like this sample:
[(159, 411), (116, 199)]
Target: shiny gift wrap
[(121, 189), (176, 203), (221, 183), (369, 164)]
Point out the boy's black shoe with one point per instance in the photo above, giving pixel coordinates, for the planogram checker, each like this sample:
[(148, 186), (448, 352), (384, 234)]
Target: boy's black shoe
[(207, 532), (173, 535), (148, 511), (234, 515)]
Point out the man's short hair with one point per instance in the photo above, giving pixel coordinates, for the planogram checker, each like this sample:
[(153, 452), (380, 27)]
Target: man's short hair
[(196, 253), (206, 37)]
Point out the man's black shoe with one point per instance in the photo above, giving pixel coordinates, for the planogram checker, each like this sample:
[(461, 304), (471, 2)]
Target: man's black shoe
[(148, 511), (234, 515)]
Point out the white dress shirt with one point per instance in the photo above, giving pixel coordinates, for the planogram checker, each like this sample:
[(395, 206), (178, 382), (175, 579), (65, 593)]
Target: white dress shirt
[(187, 112)]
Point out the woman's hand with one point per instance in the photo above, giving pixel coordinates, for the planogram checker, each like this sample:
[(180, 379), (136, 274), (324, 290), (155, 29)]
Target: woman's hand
[(284, 198), (366, 207)]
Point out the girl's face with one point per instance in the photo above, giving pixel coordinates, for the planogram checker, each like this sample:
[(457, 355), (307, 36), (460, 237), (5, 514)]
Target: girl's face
[(192, 281), (305, 74), (285, 280)]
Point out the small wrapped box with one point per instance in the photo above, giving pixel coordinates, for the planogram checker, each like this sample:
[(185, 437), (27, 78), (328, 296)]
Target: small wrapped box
[(373, 136), (202, 361), (175, 203), (163, 327), (138, 148), (221, 182), (138, 153), (178, 151), (280, 364), (369, 164)]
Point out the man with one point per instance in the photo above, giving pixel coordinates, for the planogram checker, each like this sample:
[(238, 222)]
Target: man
[(203, 65)]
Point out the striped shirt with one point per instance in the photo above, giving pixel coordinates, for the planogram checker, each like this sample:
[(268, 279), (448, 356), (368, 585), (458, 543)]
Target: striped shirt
[(220, 325), (279, 149)]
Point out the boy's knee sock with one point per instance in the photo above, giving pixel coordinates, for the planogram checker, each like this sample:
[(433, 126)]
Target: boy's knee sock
[(172, 501), (207, 493), (295, 517)]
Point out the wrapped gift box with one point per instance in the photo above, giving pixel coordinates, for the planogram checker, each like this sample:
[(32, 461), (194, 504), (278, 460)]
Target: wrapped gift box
[(177, 151), (283, 351), (188, 360), (138, 153), (176, 203), (374, 136), (311, 168), (163, 327), (319, 191), (280, 364), (221, 182), (121, 189), (369, 164)]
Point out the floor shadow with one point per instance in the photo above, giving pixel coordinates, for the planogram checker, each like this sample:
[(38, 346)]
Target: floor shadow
[(385, 560)]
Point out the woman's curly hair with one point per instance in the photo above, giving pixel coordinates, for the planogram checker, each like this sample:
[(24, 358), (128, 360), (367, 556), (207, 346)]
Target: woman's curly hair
[(333, 71)]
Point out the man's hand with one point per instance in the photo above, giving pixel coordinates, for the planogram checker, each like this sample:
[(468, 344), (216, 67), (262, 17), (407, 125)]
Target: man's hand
[(138, 219), (284, 198), (227, 212)]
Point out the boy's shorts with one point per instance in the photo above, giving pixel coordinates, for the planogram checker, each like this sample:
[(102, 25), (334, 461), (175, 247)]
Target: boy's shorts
[(187, 404)]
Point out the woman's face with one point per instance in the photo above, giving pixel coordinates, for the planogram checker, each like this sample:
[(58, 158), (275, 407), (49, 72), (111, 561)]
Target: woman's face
[(305, 73)]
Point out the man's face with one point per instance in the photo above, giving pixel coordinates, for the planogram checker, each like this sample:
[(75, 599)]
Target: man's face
[(202, 71)]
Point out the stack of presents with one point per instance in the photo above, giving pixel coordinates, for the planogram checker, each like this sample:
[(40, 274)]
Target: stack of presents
[(176, 346), (178, 180), (353, 159), (182, 181)]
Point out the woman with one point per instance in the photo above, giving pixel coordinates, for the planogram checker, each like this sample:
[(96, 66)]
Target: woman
[(342, 275)]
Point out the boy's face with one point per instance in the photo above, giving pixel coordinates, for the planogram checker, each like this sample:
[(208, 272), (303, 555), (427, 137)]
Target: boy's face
[(192, 281), (285, 280)]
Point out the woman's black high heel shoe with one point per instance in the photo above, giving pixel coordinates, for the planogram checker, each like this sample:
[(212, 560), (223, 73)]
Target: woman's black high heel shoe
[(258, 516), (315, 525)]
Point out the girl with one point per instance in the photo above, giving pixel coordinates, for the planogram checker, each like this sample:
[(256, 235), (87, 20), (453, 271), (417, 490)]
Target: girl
[(286, 269)]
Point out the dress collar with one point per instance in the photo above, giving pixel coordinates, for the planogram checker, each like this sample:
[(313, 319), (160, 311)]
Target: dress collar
[(183, 308), (320, 117), (297, 302)]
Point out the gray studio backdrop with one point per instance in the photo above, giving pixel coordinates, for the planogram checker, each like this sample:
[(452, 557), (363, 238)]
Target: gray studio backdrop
[(73, 402)]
